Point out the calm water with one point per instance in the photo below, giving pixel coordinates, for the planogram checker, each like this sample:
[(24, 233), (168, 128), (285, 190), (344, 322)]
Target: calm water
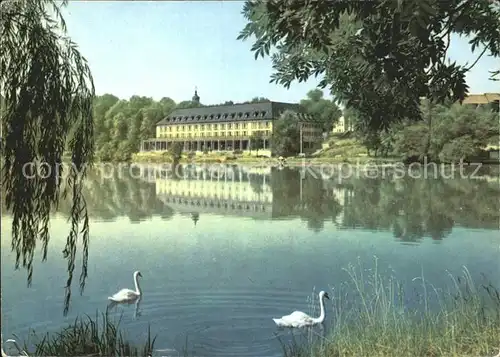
[(222, 254)]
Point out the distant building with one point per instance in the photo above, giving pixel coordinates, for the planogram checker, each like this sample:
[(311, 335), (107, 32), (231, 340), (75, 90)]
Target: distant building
[(492, 99), (342, 126), (226, 127)]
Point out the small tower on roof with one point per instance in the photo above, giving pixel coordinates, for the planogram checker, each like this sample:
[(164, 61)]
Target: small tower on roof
[(196, 97)]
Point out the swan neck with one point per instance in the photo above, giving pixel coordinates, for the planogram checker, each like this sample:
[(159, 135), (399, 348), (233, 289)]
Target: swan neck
[(321, 317), (137, 286)]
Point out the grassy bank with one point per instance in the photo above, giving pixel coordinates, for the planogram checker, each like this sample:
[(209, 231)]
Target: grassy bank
[(466, 321), (341, 148), (88, 336)]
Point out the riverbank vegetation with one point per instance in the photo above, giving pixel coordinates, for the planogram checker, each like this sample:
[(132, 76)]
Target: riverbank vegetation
[(445, 133), (372, 317), (379, 61), (88, 336)]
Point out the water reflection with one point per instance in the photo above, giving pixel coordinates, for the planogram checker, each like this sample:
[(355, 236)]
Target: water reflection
[(410, 208)]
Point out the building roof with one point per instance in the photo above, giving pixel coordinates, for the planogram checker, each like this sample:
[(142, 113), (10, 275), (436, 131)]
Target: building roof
[(220, 113), (484, 98)]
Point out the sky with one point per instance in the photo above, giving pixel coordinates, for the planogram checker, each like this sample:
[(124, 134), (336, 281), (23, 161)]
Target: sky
[(167, 48)]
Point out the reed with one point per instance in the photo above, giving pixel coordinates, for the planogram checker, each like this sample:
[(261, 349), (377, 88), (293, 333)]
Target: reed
[(371, 317), (88, 336)]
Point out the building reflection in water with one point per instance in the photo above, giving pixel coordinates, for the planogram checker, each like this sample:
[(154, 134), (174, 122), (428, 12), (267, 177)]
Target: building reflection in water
[(259, 193), (221, 190)]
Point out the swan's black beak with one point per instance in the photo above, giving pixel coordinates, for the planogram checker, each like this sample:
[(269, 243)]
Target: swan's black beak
[(139, 275), (326, 296)]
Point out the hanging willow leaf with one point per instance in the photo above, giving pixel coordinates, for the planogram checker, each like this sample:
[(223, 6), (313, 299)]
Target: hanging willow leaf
[(47, 91)]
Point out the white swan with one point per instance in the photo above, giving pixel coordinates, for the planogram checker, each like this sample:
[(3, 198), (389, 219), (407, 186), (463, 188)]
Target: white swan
[(301, 319), (19, 349), (127, 295)]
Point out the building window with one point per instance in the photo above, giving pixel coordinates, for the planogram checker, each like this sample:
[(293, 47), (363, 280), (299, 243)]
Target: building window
[(202, 126), (189, 127), (216, 126), (244, 133), (236, 125), (223, 126), (267, 124), (229, 126)]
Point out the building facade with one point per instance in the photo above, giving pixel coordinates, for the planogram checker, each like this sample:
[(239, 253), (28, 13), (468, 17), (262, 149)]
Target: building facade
[(485, 99), (341, 126), (227, 127)]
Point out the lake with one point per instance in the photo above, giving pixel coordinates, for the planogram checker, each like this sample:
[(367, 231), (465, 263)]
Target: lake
[(223, 251)]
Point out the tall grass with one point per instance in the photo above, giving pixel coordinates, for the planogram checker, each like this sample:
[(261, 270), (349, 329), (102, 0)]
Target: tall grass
[(372, 317), (88, 336)]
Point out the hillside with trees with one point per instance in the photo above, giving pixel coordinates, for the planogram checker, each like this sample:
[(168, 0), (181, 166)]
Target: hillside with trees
[(120, 125), (443, 133)]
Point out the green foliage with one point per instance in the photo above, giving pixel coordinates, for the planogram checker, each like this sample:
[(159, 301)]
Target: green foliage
[(48, 92), (120, 125), (286, 134), (175, 151), (256, 140), (378, 57), (256, 100), (456, 133), (88, 337), (372, 317), (324, 110), (188, 104)]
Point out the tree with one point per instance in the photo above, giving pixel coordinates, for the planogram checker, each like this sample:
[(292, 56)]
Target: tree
[(257, 100), (324, 110), (286, 134), (256, 140), (458, 132), (188, 104), (48, 91), (378, 57)]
